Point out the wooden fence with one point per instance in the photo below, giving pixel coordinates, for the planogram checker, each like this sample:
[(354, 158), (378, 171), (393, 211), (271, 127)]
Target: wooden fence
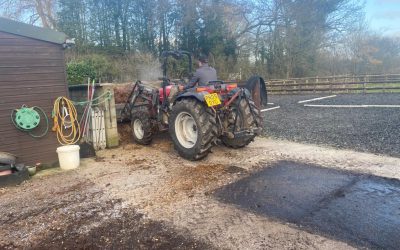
[(336, 84)]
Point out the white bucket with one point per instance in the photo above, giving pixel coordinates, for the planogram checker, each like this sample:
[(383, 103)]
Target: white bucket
[(68, 156)]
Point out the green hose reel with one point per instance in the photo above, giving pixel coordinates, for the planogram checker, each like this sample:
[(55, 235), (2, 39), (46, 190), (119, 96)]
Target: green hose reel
[(27, 120)]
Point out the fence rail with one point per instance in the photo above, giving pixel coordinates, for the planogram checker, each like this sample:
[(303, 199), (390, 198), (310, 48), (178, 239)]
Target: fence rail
[(336, 84)]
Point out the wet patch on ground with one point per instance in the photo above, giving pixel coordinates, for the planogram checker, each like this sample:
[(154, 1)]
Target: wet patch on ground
[(79, 218), (362, 210), (128, 231)]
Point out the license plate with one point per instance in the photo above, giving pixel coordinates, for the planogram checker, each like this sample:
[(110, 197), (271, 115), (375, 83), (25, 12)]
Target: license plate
[(212, 100)]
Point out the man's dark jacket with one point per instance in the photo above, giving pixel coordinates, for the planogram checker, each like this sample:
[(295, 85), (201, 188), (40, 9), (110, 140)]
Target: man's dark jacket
[(202, 76)]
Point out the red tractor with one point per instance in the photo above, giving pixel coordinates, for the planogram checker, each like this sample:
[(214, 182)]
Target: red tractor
[(198, 118)]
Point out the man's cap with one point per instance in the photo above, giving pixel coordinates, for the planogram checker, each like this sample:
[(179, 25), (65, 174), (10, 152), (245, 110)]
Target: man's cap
[(203, 58)]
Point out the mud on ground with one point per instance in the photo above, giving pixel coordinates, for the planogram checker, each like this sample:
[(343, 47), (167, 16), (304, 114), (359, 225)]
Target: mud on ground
[(125, 133), (149, 197)]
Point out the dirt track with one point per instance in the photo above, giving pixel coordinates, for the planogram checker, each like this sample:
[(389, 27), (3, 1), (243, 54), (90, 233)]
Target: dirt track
[(148, 197)]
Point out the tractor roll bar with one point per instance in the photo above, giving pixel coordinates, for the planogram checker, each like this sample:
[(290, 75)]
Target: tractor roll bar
[(177, 54)]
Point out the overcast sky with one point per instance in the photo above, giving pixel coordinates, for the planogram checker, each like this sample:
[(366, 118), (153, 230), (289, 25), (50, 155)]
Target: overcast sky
[(384, 15)]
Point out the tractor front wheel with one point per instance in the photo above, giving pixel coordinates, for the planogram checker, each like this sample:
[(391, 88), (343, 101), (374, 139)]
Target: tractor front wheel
[(193, 129), (142, 129)]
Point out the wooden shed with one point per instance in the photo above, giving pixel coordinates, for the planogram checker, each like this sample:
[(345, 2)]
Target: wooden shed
[(32, 73)]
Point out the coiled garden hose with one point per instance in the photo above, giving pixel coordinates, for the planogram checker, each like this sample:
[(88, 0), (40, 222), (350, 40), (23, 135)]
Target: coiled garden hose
[(66, 123), (27, 119)]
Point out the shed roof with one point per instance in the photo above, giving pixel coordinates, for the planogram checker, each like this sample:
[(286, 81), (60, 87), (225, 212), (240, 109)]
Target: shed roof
[(27, 30)]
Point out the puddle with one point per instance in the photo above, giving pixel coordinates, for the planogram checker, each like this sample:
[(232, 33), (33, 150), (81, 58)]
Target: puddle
[(361, 210)]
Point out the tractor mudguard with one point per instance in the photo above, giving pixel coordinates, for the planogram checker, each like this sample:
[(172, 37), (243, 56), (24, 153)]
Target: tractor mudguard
[(197, 95), (259, 93)]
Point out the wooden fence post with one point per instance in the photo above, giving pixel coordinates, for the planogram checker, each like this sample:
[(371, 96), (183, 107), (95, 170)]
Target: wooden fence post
[(386, 82), (365, 80), (333, 83), (283, 87), (330, 84)]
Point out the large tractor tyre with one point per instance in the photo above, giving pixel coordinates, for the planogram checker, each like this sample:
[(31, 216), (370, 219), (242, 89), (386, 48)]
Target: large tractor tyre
[(193, 128), (142, 129), (249, 116)]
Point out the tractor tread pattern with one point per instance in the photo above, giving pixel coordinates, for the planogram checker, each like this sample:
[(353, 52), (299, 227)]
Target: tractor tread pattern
[(250, 121), (144, 117), (207, 128)]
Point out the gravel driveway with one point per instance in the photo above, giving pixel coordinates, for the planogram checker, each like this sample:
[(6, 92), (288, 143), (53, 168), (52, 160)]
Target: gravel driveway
[(371, 129)]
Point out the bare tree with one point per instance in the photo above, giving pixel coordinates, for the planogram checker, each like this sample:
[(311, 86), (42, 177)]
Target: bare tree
[(32, 11)]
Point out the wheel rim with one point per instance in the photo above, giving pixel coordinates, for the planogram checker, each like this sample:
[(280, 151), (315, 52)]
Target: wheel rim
[(186, 130), (138, 129)]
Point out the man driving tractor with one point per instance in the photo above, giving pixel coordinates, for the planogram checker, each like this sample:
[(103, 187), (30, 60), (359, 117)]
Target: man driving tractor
[(203, 74)]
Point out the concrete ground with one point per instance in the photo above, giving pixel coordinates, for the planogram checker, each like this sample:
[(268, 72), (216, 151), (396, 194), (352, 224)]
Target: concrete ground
[(149, 197)]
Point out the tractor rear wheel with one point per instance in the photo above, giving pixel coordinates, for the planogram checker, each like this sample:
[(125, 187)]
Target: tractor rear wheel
[(142, 129), (249, 116), (193, 128)]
